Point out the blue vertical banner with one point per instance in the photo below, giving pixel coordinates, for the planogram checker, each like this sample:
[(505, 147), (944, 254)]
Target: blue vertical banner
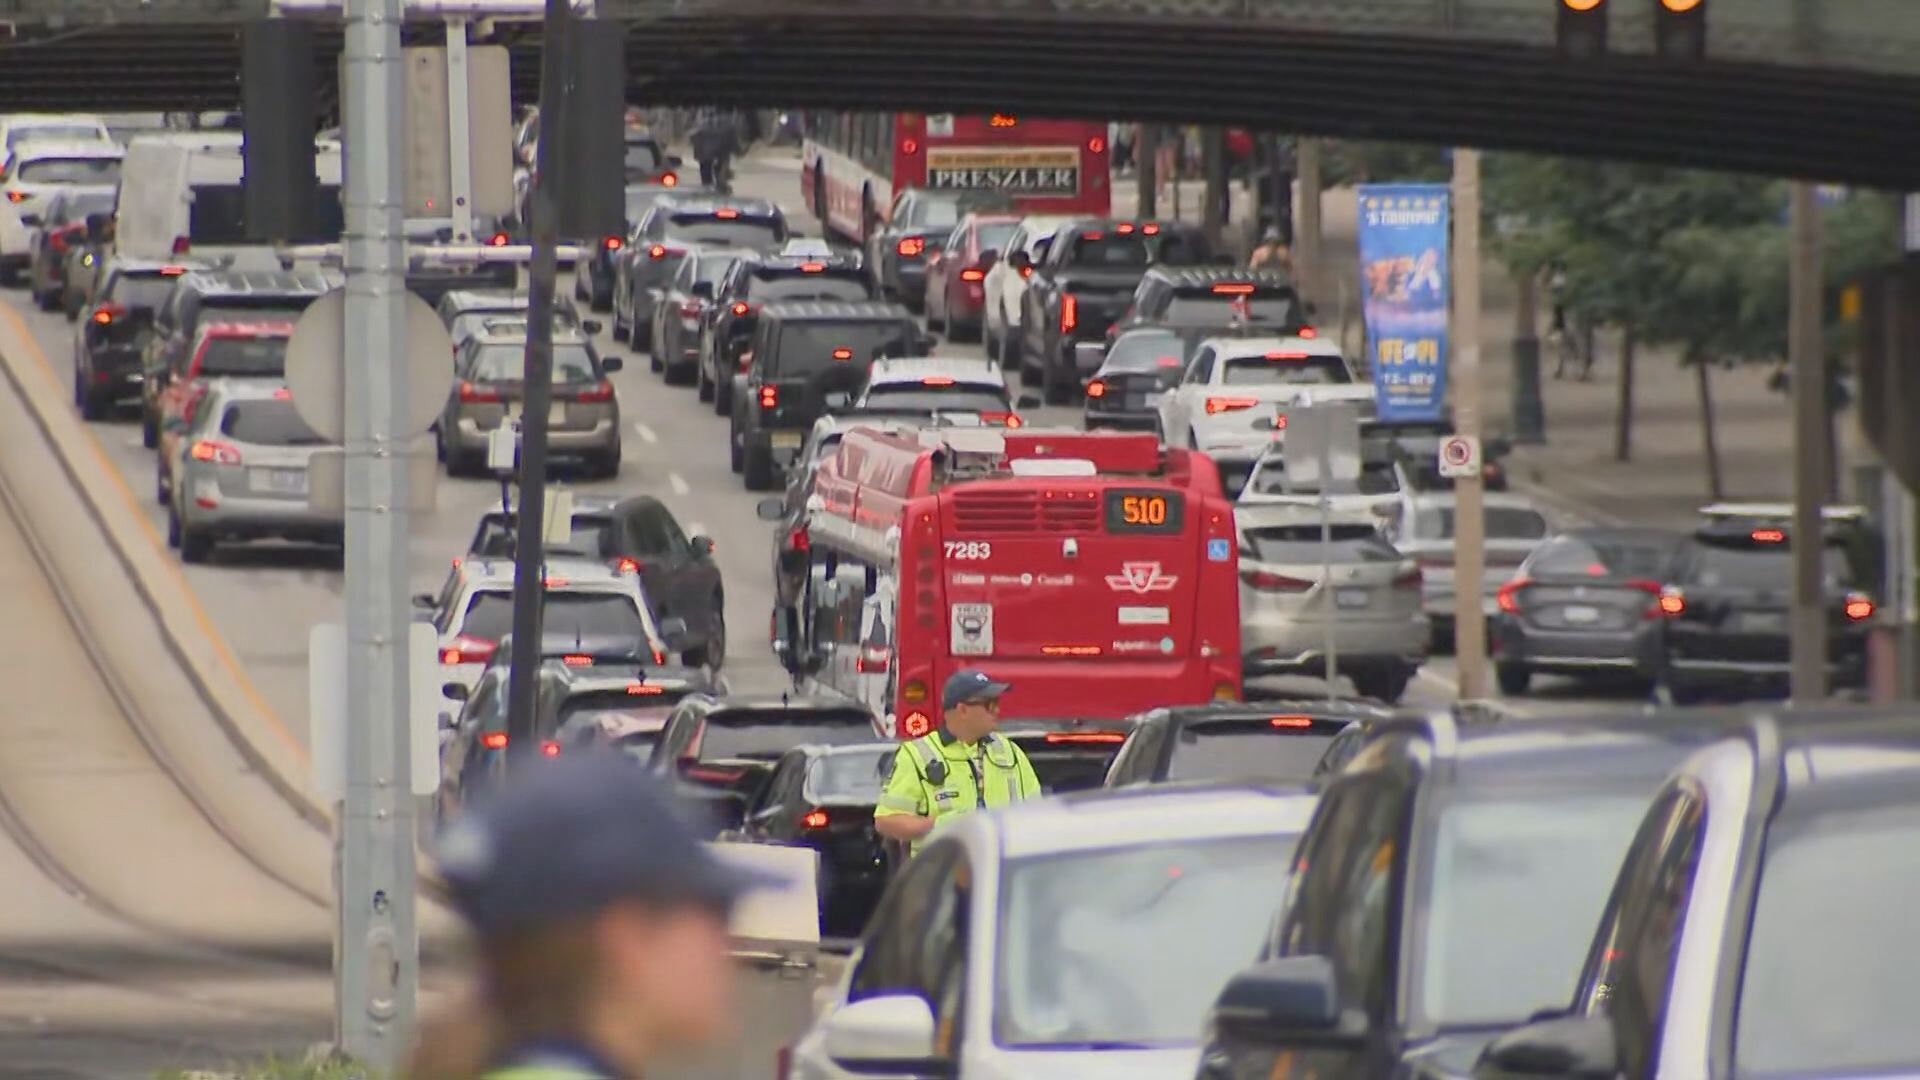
[(1404, 287)]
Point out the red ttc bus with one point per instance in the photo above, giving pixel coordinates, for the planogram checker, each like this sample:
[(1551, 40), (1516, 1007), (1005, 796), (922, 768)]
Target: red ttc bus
[(1096, 572), (854, 164)]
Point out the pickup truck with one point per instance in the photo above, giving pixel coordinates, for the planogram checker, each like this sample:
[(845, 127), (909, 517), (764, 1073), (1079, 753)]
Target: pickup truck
[(1082, 285)]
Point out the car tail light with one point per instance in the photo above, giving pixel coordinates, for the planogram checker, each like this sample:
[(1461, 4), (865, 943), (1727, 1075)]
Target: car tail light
[(217, 452), (1001, 419), (1859, 607), (1411, 578), (1232, 288), (494, 740), (641, 689), (16, 197), (1307, 332), (1084, 737), (1507, 598), (1026, 271), (624, 565), (600, 393), (1291, 721), (844, 354), (1125, 228), (931, 380), (816, 819), (741, 307), (1097, 389), (1287, 354), (1672, 601), (769, 396), (612, 243), (1151, 228), (799, 539), (973, 273), (874, 660), (1069, 312), (657, 251), (577, 660), (1769, 536), (172, 271), (106, 313), (470, 393), (690, 309), (1270, 582), (669, 180), (468, 650), (549, 749), (181, 245), (498, 239), (728, 214), (911, 246), (813, 268), (1218, 405)]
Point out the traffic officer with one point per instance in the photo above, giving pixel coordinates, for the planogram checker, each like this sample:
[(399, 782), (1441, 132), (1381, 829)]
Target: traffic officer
[(960, 766), (602, 927)]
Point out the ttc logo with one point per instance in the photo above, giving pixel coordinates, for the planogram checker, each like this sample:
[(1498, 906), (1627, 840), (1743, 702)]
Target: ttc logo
[(1141, 578)]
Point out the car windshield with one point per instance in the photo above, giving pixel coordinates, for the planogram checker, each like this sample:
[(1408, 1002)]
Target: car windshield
[(1760, 567), (849, 776), (1110, 249), (1302, 543), (1191, 914), (506, 363), (1376, 478), (1518, 886), (744, 733), (931, 398), (1602, 556), (1146, 352), (644, 158), (1285, 371), (249, 357), (768, 286), (1262, 306), (495, 539), (618, 707), (1262, 747), (147, 291), (83, 170), (809, 347), (740, 230), (268, 423), (565, 614), (1502, 523), (1828, 987)]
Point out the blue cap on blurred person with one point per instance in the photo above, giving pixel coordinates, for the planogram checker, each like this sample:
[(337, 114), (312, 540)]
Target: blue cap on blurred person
[(971, 684), (567, 837)]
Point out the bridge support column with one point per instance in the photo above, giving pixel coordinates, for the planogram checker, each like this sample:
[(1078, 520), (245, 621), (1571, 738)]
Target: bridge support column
[(1146, 170)]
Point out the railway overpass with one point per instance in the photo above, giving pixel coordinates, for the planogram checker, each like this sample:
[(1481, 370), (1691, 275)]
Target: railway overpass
[(1819, 89)]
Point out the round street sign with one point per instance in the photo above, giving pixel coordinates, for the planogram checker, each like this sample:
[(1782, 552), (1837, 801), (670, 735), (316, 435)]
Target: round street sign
[(316, 367), (1459, 456)]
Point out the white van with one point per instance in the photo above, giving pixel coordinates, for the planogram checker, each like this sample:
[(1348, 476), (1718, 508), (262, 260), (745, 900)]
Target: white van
[(180, 194)]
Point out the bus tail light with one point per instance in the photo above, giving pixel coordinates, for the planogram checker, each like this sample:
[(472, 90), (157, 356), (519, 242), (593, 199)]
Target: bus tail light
[(1069, 312), (1218, 405), (916, 724), (1225, 691)]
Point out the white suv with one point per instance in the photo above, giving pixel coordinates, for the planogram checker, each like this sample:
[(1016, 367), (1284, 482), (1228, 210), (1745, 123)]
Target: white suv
[(1006, 283), (34, 171)]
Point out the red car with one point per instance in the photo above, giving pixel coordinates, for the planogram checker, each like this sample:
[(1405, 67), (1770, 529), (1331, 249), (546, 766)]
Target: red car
[(957, 273)]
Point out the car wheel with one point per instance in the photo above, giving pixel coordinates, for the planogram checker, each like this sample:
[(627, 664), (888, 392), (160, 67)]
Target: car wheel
[(1385, 684), (735, 457), (619, 329), (654, 363), (1513, 678), (607, 465), (194, 546), (703, 385), (173, 528), (723, 398), (757, 467)]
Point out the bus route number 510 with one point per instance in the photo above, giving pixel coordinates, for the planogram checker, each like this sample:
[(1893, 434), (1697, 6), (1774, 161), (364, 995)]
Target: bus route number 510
[(969, 550), (1144, 510)]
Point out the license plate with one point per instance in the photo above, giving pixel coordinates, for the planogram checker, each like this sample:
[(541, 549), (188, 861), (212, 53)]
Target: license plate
[(280, 481), (1153, 399), (1350, 598), (786, 440), (1582, 615), (1763, 624)]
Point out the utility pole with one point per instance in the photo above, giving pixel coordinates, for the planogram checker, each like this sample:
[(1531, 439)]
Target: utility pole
[(1469, 525), (1900, 518), (378, 954), (1306, 237), (529, 585), (1807, 360), (1146, 170)]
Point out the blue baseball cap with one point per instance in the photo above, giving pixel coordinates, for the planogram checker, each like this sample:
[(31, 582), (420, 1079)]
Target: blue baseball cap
[(567, 837), (970, 684)]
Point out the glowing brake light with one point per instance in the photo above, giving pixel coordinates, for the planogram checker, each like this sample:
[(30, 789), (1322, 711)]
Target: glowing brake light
[(1233, 289), (1859, 608), (843, 354), (1151, 228), (556, 583), (769, 397), (799, 539), (1288, 354), (217, 452), (1291, 721), (936, 380), (494, 740), (106, 313), (740, 307), (1306, 332), (1124, 228), (1057, 737), (602, 391), (550, 749), (624, 565), (657, 251), (1769, 536), (1218, 405), (669, 180), (498, 239), (577, 661), (645, 689), (176, 271), (1026, 271), (1096, 389), (812, 268), (1508, 596), (612, 243), (1069, 312), (1672, 601), (726, 215), (911, 246), (815, 819), (1002, 419), (467, 650), (973, 273), (470, 392)]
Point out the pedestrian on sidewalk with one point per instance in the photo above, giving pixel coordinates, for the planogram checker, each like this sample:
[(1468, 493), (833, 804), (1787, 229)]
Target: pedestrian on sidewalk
[(602, 927), (1272, 253)]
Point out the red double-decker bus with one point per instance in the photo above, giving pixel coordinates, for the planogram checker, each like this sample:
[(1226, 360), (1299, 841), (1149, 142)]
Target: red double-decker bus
[(1096, 572), (852, 164)]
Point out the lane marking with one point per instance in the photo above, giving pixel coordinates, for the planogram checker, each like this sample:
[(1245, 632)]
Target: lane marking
[(646, 433), (679, 484), (221, 651)]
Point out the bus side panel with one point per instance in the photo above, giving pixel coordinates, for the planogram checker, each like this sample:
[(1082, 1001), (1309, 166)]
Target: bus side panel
[(920, 647), (1218, 626)]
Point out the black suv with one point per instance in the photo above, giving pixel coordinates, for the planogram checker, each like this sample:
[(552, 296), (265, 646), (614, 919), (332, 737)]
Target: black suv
[(1203, 302), (1281, 741), (1082, 286), (220, 295), (805, 359), (107, 343), (675, 225), (722, 748), (752, 284), (1727, 625), (1446, 889)]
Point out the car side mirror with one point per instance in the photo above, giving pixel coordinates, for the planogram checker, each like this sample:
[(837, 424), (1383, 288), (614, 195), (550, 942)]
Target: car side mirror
[(1028, 401), (423, 600), (454, 691), (1291, 1001), (703, 289), (1570, 1047), (611, 364), (989, 257), (702, 547), (894, 1033), (592, 326), (673, 632), (771, 508), (1020, 260)]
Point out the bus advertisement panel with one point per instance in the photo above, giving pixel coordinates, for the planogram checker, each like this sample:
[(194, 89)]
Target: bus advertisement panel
[(1096, 572), (854, 165)]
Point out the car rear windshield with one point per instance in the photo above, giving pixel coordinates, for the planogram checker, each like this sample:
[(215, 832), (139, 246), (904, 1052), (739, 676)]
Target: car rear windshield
[(806, 348), (506, 363), (52, 133), (82, 170), (742, 231), (581, 708), (994, 237), (268, 423), (1075, 766), (496, 537), (233, 309), (771, 285), (146, 291), (1376, 478), (1302, 371), (1604, 556), (644, 158), (1205, 305), (1759, 567), (951, 398), (1110, 249), (754, 733), (1352, 543), (1503, 523), (250, 357), (1828, 986), (219, 215), (1257, 747), (711, 268), (565, 614), (849, 776), (1146, 352)]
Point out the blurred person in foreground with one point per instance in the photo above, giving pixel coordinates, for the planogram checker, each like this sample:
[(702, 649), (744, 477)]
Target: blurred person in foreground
[(600, 923)]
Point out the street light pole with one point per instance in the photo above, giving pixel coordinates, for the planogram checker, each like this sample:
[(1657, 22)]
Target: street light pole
[(1807, 362), (1469, 525)]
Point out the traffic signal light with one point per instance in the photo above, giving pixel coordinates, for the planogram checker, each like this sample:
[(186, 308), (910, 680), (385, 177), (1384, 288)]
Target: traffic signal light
[(1680, 29), (1581, 31)]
